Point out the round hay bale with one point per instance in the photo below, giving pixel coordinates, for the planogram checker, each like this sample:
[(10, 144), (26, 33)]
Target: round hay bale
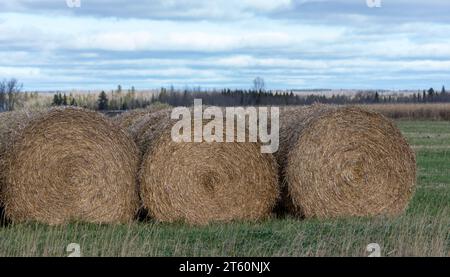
[(143, 124), (70, 165), (343, 162), (199, 183), (126, 120)]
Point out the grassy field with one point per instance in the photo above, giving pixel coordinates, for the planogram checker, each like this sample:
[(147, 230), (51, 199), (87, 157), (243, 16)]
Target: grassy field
[(422, 231)]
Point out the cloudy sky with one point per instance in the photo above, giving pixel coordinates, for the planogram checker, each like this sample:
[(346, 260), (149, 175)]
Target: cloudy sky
[(404, 44)]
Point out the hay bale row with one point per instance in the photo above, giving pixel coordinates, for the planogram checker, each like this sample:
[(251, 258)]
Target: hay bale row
[(199, 183), (343, 162), (67, 165), (71, 164)]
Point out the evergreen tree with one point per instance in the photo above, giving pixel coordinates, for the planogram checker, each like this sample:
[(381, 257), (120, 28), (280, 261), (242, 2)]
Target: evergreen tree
[(431, 94), (102, 101), (55, 101), (64, 102), (377, 97)]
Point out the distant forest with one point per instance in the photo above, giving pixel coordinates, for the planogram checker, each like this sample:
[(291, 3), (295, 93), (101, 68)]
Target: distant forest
[(228, 97), (11, 96)]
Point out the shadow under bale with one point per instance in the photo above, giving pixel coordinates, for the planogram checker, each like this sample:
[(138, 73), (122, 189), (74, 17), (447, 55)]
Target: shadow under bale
[(3, 219)]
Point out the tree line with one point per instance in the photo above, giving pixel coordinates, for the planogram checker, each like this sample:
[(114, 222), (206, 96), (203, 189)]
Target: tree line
[(11, 97), (116, 100), (228, 97)]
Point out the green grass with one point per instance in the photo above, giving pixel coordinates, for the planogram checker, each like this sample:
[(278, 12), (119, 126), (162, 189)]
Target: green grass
[(422, 231)]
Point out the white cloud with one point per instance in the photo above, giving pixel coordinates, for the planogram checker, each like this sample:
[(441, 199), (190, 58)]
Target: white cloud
[(341, 65), (135, 35), (72, 50), (19, 72), (182, 9), (265, 5)]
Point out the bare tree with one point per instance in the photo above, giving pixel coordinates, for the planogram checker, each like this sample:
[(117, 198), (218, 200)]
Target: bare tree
[(258, 84), (13, 89)]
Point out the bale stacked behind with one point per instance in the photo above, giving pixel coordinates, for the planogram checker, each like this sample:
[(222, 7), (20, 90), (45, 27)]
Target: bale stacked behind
[(70, 164), (127, 119), (144, 126), (344, 162), (203, 182)]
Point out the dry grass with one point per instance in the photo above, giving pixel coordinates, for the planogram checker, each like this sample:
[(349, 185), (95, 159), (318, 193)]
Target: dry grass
[(413, 111), (420, 235), (69, 165), (344, 162)]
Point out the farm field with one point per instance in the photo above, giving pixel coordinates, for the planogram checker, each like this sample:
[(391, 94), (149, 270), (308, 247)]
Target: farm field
[(424, 230)]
